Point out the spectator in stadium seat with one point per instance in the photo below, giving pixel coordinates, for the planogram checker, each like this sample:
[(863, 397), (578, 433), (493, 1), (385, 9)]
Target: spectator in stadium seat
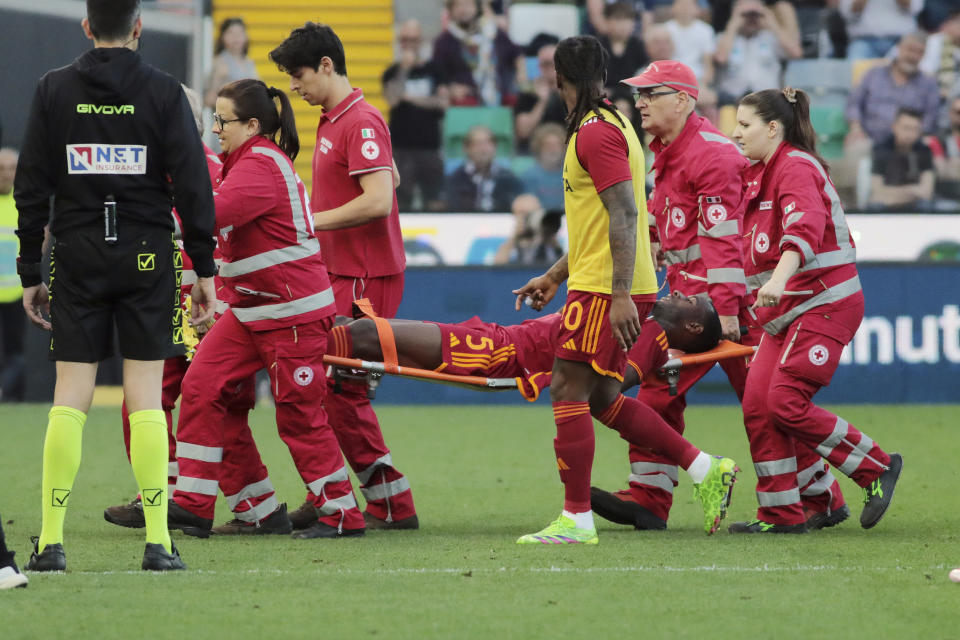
[(903, 173), (545, 178), (875, 26), (751, 51), (625, 48), (941, 59), (480, 184), (540, 106), (476, 58), (417, 99), (534, 238), (599, 24), (873, 104), (658, 43), (946, 157), (698, 38), (230, 61)]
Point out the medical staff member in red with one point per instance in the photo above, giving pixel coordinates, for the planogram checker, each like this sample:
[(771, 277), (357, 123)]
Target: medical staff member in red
[(696, 215), (809, 301), (355, 213), (611, 285), (281, 309)]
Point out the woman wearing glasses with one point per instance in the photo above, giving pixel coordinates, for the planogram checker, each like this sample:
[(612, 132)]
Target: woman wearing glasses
[(281, 308), (802, 264)]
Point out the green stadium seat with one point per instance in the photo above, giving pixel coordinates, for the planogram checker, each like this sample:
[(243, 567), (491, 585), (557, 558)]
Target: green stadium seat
[(458, 121), (520, 164)]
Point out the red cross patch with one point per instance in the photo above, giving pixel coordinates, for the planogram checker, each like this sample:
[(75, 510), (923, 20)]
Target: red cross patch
[(762, 243), (818, 354), (303, 376), (678, 217)]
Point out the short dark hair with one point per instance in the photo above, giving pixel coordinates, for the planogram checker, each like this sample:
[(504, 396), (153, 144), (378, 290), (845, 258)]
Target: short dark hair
[(712, 330), (620, 9), (907, 111), (306, 46), (111, 20)]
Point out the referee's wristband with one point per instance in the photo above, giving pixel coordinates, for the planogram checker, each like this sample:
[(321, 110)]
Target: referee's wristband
[(29, 273)]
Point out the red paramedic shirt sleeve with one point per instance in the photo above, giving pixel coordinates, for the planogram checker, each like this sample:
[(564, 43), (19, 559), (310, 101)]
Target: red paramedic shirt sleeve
[(246, 192), (369, 147), (803, 214), (720, 230), (603, 152)]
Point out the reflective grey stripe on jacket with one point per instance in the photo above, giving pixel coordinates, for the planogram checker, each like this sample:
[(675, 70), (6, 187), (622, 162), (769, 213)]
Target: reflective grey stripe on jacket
[(823, 260), (679, 256), (719, 230), (726, 275), (285, 309), (307, 245), (835, 293), (805, 250)]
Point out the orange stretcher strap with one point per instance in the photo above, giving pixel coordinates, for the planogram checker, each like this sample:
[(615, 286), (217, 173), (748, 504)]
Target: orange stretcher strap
[(388, 345), (722, 351), (475, 382)]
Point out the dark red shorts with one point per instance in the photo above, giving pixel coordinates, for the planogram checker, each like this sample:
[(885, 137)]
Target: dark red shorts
[(477, 348), (585, 334)]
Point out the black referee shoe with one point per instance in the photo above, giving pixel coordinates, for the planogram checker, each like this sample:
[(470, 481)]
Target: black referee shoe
[(321, 530), (190, 524), (610, 506), (156, 558), (877, 497), (52, 559)]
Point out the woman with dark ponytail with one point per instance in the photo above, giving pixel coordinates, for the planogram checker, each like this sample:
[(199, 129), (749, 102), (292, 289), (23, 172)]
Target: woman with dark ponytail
[(281, 308), (802, 268)]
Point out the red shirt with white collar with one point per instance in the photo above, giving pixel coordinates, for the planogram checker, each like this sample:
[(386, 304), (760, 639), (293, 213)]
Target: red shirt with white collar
[(352, 140)]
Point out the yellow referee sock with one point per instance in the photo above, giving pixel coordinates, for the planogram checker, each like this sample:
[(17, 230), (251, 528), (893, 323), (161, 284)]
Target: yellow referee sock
[(61, 460), (148, 457)]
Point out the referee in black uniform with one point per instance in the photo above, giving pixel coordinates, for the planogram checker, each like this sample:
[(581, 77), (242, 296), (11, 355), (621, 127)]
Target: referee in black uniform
[(113, 141)]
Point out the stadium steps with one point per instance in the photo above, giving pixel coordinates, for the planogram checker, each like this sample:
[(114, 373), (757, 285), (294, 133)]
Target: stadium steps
[(364, 26)]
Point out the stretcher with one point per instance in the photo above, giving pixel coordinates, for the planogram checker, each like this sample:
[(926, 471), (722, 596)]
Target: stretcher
[(372, 372)]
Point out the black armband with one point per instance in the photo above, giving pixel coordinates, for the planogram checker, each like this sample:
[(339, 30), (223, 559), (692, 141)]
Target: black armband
[(29, 273)]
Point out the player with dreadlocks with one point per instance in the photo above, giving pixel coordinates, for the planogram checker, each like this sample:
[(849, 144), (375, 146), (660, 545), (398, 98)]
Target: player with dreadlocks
[(611, 286)]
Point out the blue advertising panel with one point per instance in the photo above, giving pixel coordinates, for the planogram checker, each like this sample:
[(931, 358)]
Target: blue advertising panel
[(906, 351)]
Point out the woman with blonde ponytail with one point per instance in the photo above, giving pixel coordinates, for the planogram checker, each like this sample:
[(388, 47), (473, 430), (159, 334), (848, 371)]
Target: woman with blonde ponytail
[(802, 270)]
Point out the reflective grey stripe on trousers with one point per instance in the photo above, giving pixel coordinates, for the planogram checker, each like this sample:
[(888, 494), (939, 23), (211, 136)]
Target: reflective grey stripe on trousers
[(199, 452), (285, 309), (778, 498), (345, 503), (253, 490), (775, 467), (197, 485), (806, 475), (670, 470), (383, 461), (833, 294), (821, 486), (259, 512), (337, 476), (656, 480), (386, 490)]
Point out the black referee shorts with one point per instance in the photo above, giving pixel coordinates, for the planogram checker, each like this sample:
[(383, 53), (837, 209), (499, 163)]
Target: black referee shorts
[(134, 284)]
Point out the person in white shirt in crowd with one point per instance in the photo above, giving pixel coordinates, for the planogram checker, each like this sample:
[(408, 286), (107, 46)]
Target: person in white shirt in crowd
[(697, 38), (752, 50), (875, 26)]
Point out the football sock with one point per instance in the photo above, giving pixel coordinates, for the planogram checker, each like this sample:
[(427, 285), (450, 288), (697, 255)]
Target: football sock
[(639, 424), (574, 447), (61, 461), (699, 467), (148, 457), (5, 555), (340, 343), (583, 520)]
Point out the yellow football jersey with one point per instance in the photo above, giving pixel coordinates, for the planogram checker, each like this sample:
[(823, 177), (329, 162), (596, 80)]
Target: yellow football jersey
[(588, 223)]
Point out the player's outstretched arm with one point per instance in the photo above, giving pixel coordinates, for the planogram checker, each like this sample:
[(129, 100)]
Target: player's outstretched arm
[(539, 291)]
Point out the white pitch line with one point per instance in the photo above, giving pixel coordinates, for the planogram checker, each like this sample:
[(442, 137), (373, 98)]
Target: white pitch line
[(765, 568)]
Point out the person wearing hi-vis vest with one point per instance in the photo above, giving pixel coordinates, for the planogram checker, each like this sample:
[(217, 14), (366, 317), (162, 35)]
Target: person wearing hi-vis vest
[(12, 322)]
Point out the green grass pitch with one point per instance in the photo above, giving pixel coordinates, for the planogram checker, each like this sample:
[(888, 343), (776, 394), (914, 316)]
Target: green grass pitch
[(481, 477)]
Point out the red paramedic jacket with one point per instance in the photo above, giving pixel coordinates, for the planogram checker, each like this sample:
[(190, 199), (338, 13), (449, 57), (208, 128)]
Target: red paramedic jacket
[(272, 270), (696, 211), (791, 204)]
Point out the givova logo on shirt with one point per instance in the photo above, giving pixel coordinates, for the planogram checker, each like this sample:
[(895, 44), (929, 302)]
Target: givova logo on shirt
[(107, 158)]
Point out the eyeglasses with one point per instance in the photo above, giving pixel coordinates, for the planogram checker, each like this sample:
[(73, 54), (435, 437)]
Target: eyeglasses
[(220, 121), (650, 96)]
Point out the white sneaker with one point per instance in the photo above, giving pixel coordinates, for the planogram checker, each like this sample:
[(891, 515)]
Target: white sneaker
[(10, 577)]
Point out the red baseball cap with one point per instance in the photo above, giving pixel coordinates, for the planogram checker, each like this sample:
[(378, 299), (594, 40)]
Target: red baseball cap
[(668, 73)]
